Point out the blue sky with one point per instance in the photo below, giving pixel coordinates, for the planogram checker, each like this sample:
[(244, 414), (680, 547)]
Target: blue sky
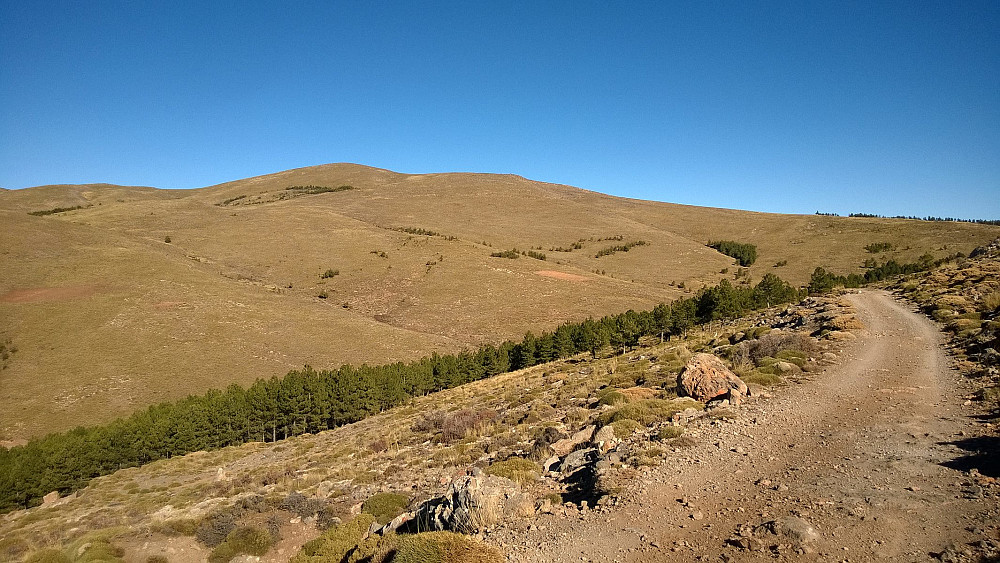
[(881, 107)]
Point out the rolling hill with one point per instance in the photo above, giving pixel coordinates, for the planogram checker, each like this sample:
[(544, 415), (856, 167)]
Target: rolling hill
[(107, 316)]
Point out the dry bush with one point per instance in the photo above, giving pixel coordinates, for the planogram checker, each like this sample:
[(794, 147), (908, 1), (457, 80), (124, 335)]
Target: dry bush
[(990, 302), (516, 469), (752, 351), (464, 422)]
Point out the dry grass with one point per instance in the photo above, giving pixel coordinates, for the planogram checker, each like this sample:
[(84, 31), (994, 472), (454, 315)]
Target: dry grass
[(100, 345)]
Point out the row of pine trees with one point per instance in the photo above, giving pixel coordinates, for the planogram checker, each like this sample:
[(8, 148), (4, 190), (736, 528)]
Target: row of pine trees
[(311, 401)]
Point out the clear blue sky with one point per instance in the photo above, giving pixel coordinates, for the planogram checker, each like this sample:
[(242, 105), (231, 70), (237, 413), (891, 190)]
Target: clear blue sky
[(884, 107)]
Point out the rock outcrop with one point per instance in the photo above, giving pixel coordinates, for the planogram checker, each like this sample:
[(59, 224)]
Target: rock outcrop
[(473, 503), (705, 378)]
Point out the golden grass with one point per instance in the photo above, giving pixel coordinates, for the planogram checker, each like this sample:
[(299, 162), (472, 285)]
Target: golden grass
[(132, 320)]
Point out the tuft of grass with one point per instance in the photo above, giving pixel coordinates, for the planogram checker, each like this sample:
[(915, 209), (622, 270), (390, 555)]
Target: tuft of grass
[(625, 427), (990, 302), (436, 547), (611, 397), (50, 555), (648, 411), (385, 506), (668, 433), (335, 543), (244, 540), (759, 377), (516, 469)]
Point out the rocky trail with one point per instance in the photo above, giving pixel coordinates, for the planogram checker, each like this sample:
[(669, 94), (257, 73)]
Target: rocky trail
[(864, 461)]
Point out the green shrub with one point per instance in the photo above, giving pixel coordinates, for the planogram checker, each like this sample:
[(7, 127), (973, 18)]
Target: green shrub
[(241, 541), (385, 506), (625, 427), (51, 555), (335, 543), (516, 469), (611, 397), (758, 377), (648, 411), (668, 433)]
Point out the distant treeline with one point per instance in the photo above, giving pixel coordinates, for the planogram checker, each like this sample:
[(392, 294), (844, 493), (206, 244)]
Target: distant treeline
[(55, 210), (608, 251), (312, 401), (318, 189), (744, 253), (928, 218), (822, 281)]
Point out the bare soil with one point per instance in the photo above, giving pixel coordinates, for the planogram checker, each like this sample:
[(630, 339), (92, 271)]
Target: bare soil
[(871, 452)]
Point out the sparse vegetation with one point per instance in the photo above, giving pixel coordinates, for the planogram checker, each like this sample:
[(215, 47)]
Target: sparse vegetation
[(55, 210), (823, 281), (329, 273), (166, 239), (608, 251), (877, 247), (512, 254), (318, 189), (744, 253), (516, 469), (536, 255), (241, 541)]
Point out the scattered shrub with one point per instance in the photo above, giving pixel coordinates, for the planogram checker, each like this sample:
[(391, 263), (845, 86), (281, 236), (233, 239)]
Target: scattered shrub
[(241, 541), (166, 239), (668, 433), (302, 505), (157, 559), (516, 469), (330, 273), (648, 411), (214, 529), (385, 506), (625, 427), (461, 423)]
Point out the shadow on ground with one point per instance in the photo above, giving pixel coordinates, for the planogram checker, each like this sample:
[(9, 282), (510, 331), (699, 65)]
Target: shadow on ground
[(983, 454)]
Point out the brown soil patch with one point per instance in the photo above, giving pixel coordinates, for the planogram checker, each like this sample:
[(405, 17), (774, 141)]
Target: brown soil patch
[(561, 275), (47, 294)]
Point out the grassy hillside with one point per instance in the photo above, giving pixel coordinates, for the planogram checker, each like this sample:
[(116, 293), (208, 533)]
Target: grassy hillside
[(107, 316)]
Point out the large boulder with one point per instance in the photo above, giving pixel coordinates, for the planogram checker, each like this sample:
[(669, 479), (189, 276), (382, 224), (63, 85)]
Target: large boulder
[(705, 378), (472, 504)]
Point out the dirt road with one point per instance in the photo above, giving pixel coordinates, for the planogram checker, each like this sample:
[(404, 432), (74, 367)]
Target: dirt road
[(862, 452)]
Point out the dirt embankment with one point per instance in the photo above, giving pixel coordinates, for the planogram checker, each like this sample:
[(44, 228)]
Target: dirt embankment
[(872, 454)]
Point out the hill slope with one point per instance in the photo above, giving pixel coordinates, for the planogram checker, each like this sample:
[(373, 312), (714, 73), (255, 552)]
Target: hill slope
[(107, 317)]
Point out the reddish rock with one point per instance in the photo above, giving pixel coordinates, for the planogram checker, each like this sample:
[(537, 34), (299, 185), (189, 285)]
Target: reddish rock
[(705, 377)]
